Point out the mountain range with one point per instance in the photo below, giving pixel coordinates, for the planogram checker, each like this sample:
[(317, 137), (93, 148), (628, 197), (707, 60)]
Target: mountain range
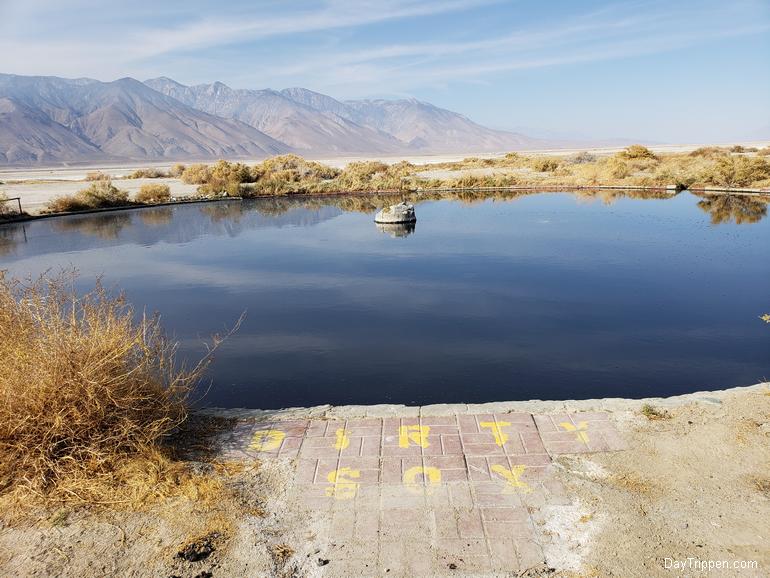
[(50, 120)]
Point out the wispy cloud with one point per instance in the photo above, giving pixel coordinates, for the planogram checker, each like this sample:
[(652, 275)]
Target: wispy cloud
[(104, 48), (606, 34)]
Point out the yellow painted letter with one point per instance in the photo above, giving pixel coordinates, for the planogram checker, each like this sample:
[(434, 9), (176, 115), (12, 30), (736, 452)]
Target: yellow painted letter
[(431, 477), (512, 478), (417, 434), (343, 440), (266, 440), (497, 430), (343, 485), (581, 431)]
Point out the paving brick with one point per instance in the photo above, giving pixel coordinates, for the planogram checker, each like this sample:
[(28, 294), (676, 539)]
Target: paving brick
[(451, 445), (533, 443), (434, 447), (445, 462), (482, 449), (391, 470), (439, 420), (467, 424), (392, 451), (517, 418), (544, 424), (484, 437), (469, 524), (507, 529), (478, 468), (505, 514), (316, 429)]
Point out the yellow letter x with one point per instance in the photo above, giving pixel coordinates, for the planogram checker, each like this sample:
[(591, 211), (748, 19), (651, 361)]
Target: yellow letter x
[(417, 434), (581, 431), (512, 478)]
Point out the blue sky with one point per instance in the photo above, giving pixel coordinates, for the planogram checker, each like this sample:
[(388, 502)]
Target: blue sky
[(675, 71)]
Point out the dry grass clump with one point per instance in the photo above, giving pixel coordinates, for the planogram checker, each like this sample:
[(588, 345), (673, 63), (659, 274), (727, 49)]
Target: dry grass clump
[(177, 170), (149, 174), (545, 164), (637, 151), (153, 194), (97, 176), (652, 413), (101, 194), (709, 152), (88, 393), (6, 209)]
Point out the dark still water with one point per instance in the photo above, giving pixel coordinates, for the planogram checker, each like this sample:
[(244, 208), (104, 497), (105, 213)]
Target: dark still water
[(547, 296)]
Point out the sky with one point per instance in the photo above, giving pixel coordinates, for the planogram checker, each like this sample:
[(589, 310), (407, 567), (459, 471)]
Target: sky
[(678, 71)]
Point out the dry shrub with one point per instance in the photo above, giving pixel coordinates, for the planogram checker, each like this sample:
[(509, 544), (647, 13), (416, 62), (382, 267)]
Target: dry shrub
[(101, 194), (177, 170), (197, 174), (88, 393), (738, 171), (97, 176), (545, 164), (5, 207), (708, 152), (637, 151), (153, 194), (148, 174)]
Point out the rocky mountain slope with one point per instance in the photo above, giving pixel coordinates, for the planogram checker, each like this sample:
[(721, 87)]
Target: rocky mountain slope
[(49, 119)]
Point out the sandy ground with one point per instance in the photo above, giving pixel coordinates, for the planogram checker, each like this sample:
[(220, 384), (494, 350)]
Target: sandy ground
[(35, 193), (693, 484)]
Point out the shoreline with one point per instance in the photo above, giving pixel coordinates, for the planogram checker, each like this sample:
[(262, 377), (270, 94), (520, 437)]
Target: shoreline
[(609, 404), (672, 189)]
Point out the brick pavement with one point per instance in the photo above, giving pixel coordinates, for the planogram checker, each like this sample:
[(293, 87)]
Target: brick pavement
[(430, 495)]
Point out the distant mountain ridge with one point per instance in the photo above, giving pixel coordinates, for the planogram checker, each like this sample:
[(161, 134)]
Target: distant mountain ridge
[(46, 119), (50, 119)]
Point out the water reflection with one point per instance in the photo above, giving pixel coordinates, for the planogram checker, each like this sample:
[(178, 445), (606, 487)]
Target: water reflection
[(396, 229), (157, 217), (105, 226), (742, 209)]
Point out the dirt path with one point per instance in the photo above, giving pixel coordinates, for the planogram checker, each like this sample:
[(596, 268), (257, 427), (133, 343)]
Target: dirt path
[(449, 491)]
